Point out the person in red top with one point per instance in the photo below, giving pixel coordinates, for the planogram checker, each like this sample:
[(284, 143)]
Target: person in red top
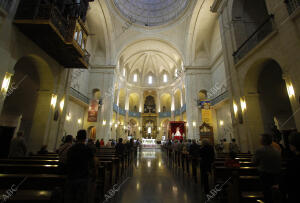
[(101, 142), (232, 162)]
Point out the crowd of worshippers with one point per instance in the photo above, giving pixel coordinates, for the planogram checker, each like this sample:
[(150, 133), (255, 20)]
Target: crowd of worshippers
[(77, 160), (280, 183)]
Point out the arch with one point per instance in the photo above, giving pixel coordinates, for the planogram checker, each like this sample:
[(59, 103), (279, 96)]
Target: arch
[(263, 83), (177, 97), (166, 101), (134, 102), (34, 83), (122, 98)]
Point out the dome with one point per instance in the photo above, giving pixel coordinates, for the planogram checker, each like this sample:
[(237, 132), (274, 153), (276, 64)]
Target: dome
[(151, 12)]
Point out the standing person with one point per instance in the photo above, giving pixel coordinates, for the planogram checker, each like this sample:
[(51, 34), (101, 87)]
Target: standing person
[(63, 151), (91, 145), (101, 142), (194, 153), (18, 146), (293, 168), (207, 155), (120, 148), (233, 147), (43, 150), (97, 144), (226, 146), (81, 172), (268, 161)]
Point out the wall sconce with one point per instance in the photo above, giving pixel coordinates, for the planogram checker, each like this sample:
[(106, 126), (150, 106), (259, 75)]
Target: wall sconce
[(159, 128), (111, 123), (124, 127), (61, 104), (116, 125), (290, 90), (6, 82), (221, 122), (243, 104), (194, 123), (79, 121), (235, 108), (53, 100), (68, 117), (104, 122), (139, 128)]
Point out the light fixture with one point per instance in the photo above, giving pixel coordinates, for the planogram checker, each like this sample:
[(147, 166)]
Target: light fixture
[(124, 127), (194, 123), (187, 124), (116, 125), (159, 128), (235, 108), (221, 122), (124, 72), (68, 117), (53, 100), (79, 121), (111, 123), (61, 104), (290, 90), (6, 82), (243, 104), (139, 128), (104, 122)]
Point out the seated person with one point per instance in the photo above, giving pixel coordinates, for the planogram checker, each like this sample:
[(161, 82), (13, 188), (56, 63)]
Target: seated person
[(232, 162), (43, 150)]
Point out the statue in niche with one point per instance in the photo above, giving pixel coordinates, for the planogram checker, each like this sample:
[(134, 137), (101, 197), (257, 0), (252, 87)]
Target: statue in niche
[(135, 108), (149, 106), (164, 109)]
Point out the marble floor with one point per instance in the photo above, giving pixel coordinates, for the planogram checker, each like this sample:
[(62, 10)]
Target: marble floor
[(151, 180)]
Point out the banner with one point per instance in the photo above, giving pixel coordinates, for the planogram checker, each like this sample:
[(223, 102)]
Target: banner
[(206, 116), (93, 110)]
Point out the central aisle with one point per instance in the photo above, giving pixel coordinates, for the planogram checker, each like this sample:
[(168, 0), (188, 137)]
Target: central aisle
[(152, 181)]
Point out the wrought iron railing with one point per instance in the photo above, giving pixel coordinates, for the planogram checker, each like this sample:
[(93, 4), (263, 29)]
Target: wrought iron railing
[(292, 5), (6, 4), (257, 36), (164, 114), (78, 95)]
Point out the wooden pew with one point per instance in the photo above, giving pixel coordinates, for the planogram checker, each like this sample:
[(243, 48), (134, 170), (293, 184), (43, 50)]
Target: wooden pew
[(29, 196)]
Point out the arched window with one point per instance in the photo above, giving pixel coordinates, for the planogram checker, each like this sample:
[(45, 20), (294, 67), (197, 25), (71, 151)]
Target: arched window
[(176, 73), (165, 78), (135, 77), (150, 79), (124, 72)]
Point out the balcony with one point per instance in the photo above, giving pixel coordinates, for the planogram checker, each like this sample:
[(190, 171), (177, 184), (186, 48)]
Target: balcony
[(292, 5), (164, 114), (257, 36), (134, 114), (5, 6), (63, 38), (76, 94)]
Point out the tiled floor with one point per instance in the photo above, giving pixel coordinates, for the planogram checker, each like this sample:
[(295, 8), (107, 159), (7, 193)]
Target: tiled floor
[(152, 181)]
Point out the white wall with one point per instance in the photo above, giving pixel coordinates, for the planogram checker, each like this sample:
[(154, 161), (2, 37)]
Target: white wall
[(77, 112)]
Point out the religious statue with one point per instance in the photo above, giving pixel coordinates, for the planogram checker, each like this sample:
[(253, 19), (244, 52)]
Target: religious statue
[(177, 134)]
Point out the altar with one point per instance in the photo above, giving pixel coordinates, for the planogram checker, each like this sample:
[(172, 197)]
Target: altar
[(148, 142)]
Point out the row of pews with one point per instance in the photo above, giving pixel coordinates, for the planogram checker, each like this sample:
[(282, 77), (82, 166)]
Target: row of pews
[(38, 178), (239, 184)]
